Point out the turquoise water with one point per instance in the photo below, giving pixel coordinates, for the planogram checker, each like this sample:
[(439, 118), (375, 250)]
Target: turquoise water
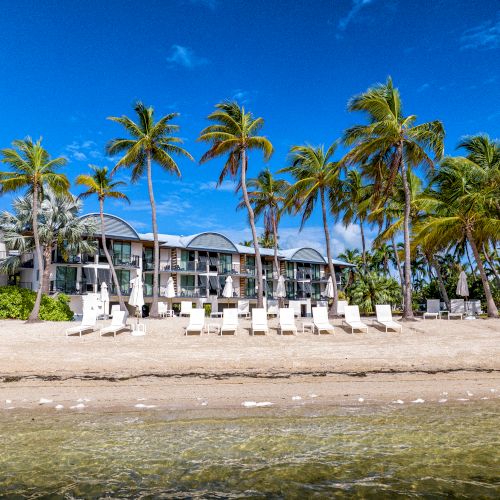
[(424, 451)]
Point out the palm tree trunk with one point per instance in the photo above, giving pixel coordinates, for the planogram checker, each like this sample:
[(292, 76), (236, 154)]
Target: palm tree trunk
[(276, 263), (490, 303), (251, 218), (442, 288), (363, 244), (34, 315), (47, 258), (333, 308), (153, 313), (407, 306), (108, 257)]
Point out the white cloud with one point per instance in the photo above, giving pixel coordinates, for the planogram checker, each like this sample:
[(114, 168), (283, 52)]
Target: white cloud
[(184, 56), (79, 151), (356, 7), (483, 36), (78, 155), (423, 87), (212, 185)]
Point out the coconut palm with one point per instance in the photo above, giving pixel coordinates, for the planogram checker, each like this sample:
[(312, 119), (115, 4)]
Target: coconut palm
[(59, 225), (316, 177), (101, 184), (233, 134), (391, 143), (350, 256), (465, 209), (34, 170), (354, 203), (149, 142), (267, 196)]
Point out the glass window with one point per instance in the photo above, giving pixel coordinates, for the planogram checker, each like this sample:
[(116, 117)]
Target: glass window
[(315, 272), (187, 280), (65, 279), (148, 284), (226, 262), (250, 287), (123, 276), (122, 249), (289, 270)]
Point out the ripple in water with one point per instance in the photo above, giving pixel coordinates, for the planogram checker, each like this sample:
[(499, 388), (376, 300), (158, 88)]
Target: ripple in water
[(429, 452)]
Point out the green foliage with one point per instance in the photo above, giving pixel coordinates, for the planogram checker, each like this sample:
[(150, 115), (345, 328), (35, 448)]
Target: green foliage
[(208, 309), (17, 303), (370, 289)]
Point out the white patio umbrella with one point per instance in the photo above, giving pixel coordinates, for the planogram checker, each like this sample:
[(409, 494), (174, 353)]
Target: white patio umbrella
[(280, 288), (228, 288), (104, 297), (329, 288), (462, 287), (170, 291), (136, 298)]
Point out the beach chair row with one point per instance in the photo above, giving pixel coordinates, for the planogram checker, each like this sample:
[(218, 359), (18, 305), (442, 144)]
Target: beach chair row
[(458, 309), (286, 321), (89, 324)]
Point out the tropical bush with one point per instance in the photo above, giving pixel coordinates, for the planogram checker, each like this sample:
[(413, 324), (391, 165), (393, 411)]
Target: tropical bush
[(370, 289), (17, 303)]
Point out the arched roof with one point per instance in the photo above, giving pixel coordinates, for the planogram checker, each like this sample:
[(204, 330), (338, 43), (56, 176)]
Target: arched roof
[(211, 241), (114, 226), (306, 255)]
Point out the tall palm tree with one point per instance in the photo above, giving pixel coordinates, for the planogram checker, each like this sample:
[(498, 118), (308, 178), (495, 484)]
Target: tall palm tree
[(316, 176), (32, 169), (465, 193), (267, 196), (150, 142), (234, 133), (392, 141), (101, 184), (352, 257), (354, 203), (59, 225)]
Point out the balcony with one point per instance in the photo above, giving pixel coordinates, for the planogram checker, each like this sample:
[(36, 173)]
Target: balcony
[(69, 287), (126, 260), (74, 259), (148, 265), (124, 289), (192, 291), (26, 261)]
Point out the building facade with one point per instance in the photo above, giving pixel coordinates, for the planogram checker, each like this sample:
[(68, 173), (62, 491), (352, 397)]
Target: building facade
[(199, 265)]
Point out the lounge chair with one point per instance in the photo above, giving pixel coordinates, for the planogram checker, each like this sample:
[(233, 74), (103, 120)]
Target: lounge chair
[(295, 306), (287, 321), (229, 322), (88, 323), (320, 320), (186, 308), (353, 320), (457, 308), (118, 323), (259, 321), (114, 309), (244, 308), (433, 309), (384, 318), (196, 322), (272, 308)]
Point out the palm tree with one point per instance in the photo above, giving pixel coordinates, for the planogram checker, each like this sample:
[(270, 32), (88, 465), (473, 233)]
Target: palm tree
[(394, 143), (59, 225), (354, 203), (267, 196), (32, 168), (352, 257), (465, 208), (234, 133), (316, 177), (150, 142), (101, 184)]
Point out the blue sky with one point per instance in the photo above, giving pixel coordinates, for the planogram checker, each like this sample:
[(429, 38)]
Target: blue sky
[(66, 66)]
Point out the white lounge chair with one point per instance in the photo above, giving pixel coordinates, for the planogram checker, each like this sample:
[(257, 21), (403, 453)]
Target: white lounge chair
[(353, 320), (196, 322), (433, 309), (457, 308), (88, 323), (320, 320), (287, 321), (118, 323), (295, 306), (384, 318), (259, 321), (229, 322), (244, 308), (186, 308), (114, 309)]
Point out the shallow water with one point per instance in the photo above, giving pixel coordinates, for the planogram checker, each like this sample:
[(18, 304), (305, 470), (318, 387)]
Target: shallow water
[(419, 451)]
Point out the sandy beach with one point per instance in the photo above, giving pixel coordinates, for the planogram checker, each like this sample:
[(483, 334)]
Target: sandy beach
[(431, 361)]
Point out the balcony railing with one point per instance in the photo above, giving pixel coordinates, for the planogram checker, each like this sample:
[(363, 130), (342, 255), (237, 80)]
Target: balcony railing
[(191, 291), (124, 289), (75, 259), (126, 260), (69, 287), (148, 265)]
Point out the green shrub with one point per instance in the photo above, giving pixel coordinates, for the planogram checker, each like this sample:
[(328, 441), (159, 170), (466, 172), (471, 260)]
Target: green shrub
[(17, 303)]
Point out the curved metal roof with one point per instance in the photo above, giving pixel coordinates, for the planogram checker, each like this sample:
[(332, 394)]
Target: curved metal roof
[(114, 226)]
